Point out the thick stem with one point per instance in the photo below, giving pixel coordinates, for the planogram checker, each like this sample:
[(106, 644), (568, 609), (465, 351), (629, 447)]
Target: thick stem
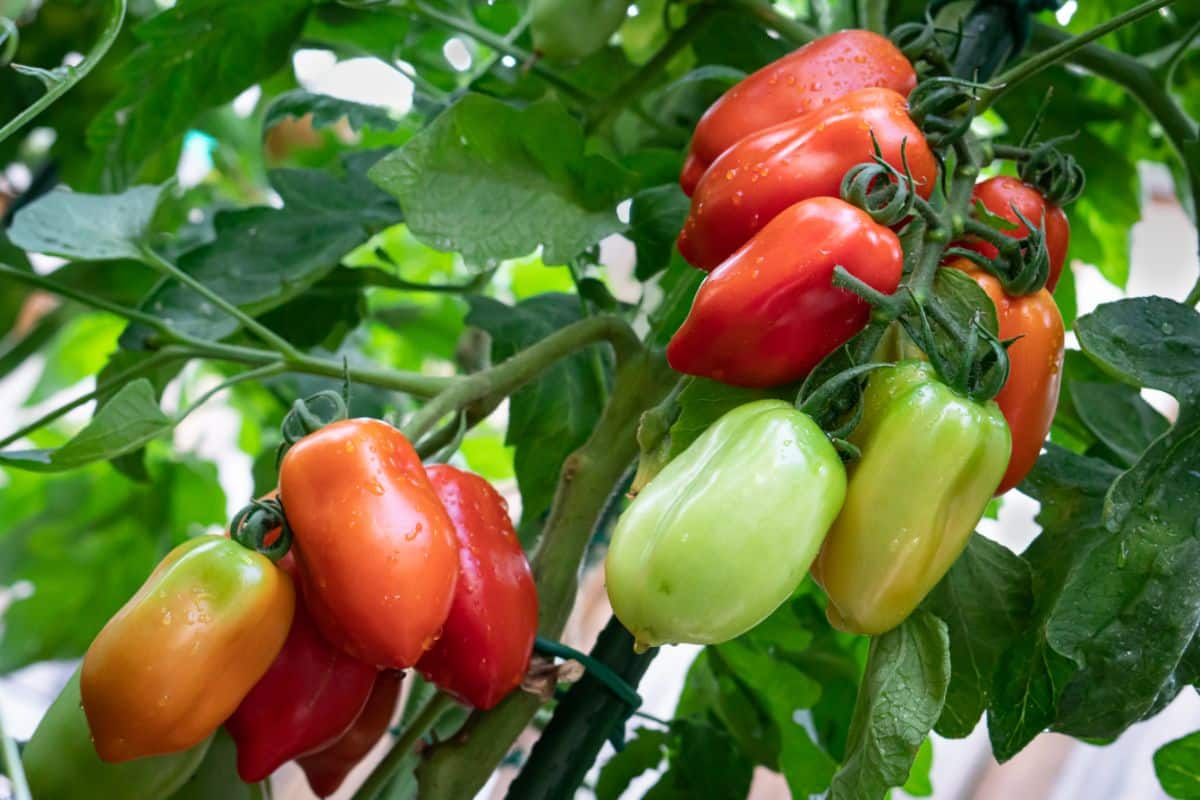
[(75, 75), (385, 770), (509, 376), (458, 767), (872, 15)]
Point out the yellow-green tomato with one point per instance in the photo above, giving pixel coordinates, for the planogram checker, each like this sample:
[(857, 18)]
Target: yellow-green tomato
[(728, 529), (931, 460), (568, 30)]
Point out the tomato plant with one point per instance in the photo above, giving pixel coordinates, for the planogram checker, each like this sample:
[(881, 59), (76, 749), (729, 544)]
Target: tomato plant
[(755, 310)]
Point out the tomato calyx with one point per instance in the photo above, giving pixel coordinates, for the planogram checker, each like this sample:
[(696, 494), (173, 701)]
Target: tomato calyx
[(310, 414), (262, 526)]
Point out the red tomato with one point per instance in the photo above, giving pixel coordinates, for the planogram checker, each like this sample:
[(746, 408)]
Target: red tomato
[(1030, 397), (1000, 195), (485, 647), (802, 81), (310, 696), (770, 170), (770, 312), (327, 768), (376, 552)]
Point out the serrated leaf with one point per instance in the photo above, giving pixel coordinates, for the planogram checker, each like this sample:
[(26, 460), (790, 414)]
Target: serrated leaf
[(494, 182), (94, 227), (901, 697), (126, 422), (195, 56), (327, 111)]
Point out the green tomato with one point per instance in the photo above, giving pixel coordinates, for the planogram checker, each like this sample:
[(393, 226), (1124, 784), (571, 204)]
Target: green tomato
[(568, 30), (61, 763), (727, 531), (931, 460)]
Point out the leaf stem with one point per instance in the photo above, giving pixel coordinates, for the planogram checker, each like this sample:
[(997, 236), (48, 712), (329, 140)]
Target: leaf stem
[(74, 76), (30, 278), (385, 770), (12, 766), (268, 336), (507, 377), (1064, 49), (793, 30)]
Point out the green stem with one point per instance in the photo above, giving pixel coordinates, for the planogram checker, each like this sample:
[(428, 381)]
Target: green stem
[(1139, 80), (460, 766), (1063, 50), (793, 30), (872, 15), (385, 770), (502, 45), (75, 75), (159, 358), (250, 375), (37, 281), (626, 94), (509, 376), (1182, 47), (386, 280), (12, 766), (265, 334)]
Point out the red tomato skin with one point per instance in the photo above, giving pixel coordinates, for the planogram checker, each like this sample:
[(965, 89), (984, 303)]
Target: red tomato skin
[(1030, 396), (1000, 195), (311, 695), (375, 550), (802, 81), (485, 646), (770, 312), (690, 175), (771, 170), (326, 769)]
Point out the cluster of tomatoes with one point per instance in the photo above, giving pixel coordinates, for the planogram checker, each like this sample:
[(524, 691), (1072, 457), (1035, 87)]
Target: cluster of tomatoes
[(392, 565)]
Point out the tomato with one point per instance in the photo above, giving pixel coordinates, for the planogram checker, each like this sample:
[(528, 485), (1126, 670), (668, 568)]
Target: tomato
[(1001, 195), (679, 569), (568, 30), (1030, 397), (485, 646), (328, 767), (775, 168), (178, 658), (61, 762), (931, 460), (770, 313), (802, 81), (310, 696), (376, 553)]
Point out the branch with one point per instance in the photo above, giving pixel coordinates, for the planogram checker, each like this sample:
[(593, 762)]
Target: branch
[(793, 30), (74, 75)]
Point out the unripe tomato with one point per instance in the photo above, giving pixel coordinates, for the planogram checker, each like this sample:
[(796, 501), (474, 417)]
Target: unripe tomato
[(802, 81)]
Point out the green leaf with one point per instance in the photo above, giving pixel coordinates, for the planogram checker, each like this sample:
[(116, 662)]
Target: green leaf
[(554, 414), (217, 776), (703, 764), (79, 351), (493, 182), (1145, 341), (655, 219), (196, 55), (901, 697), (264, 257), (98, 227), (919, 783), (126, 422), (677, 285), (1177, 765), (985, 601), (1117, 415), (645, 751), (327, 111)]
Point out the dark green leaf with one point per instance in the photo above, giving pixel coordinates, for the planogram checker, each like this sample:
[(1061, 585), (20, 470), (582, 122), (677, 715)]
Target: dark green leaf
[(554, 414), (494, 182), (704, 764), (196, 55), (217, 776), (1177, 765), (327, 111), (127, 421), (1118, 416), (1145, 341), (899, 701), (655, 220), (87, 226), (985, 600), (678, 285), (643, 752)]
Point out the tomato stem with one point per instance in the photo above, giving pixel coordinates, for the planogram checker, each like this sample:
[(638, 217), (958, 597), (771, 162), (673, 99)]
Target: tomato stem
[(385, 770)]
